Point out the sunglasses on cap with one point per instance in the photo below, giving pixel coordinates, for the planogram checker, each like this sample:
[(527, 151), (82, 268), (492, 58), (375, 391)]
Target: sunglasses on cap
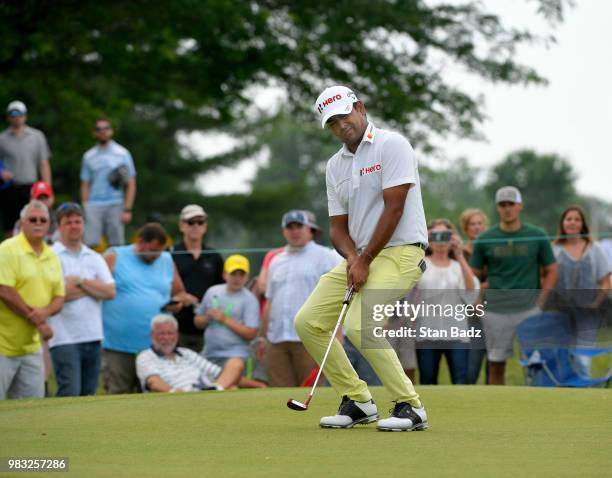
[(69, 205), (68, 208), (38, 220)]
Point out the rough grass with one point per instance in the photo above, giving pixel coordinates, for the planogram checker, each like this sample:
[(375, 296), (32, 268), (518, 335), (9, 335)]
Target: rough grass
[(475, 431)]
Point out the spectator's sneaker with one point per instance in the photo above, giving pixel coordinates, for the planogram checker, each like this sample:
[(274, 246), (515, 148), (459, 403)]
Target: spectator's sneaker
[(404, 418), (351, 413)]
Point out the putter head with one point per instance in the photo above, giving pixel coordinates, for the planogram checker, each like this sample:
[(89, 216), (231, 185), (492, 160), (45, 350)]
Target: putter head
[(295, 405)]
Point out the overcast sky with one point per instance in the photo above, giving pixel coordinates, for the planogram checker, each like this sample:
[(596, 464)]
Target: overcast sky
[(572, 116)]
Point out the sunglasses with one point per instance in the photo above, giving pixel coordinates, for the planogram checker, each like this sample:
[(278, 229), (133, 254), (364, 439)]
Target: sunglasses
[(38, 220), (69, 205), (199, 222), (102, 128)]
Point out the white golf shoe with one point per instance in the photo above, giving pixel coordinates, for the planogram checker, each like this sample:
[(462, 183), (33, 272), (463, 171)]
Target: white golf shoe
[(404, 418), (351, 413)]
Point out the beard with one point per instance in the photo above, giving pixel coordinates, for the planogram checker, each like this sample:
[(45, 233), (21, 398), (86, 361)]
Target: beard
[(164, 349)]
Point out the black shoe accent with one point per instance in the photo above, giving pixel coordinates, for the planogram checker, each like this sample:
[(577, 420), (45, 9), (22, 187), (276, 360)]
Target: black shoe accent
[(348, 407), (404, 410)]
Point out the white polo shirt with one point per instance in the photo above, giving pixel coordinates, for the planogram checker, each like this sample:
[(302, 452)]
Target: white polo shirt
[(355, 184), (80, 320), (292, 276)]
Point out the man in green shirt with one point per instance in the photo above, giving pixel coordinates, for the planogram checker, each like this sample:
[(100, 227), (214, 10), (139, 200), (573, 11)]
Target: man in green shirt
[(519, 261)]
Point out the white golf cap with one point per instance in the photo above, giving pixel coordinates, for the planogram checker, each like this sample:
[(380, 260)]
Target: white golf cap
[(193, 210), (335, 100), (508, 194), (18, 106)]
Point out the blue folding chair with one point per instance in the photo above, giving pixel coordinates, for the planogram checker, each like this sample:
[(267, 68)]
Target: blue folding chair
[(547, 347)]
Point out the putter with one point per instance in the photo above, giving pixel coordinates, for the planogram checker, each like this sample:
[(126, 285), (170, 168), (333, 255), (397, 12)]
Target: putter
[(299, 406)]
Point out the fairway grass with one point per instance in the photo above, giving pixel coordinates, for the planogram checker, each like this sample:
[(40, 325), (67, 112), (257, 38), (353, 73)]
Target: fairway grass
[(474, 431)]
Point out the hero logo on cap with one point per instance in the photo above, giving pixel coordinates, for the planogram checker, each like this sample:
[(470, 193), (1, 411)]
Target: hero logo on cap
[(335, 100), (328, 101)]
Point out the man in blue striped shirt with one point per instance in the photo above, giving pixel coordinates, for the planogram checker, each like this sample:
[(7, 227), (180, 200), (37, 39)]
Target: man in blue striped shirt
[(167, 368)]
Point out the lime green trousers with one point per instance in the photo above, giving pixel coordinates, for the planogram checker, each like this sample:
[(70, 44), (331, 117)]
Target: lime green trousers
[(393, 272)]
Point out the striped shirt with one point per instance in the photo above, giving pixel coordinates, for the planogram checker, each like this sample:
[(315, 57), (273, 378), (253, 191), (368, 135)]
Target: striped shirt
[(186, 371)]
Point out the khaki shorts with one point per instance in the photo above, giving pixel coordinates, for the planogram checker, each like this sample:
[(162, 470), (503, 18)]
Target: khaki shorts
[(22, 376), (500, 330), (406, 351), (104, 221)]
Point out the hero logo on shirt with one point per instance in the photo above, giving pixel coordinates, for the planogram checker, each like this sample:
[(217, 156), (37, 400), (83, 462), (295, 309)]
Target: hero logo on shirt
[(370, 170), (328, 102)]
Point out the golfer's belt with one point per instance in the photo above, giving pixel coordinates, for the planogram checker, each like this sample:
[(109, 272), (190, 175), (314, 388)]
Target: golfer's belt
[(420, 245)]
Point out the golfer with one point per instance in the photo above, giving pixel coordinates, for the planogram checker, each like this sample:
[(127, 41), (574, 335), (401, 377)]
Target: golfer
[(378, 225)]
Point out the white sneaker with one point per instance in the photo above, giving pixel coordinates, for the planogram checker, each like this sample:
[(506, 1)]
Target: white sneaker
[(351, 413), (404, 418)]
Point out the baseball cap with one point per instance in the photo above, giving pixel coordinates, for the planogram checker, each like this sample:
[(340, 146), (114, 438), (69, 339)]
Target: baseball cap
[(41, 188), (236, 263), (509, 194), (193, 210), (335, 100), (312, 220), (16, 108), (300, 217), (67, 209)]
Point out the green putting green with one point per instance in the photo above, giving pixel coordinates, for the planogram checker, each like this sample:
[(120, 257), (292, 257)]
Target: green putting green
[(474, 431)]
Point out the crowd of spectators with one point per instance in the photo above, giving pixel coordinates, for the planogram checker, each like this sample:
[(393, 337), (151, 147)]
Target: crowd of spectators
[(149, 317)]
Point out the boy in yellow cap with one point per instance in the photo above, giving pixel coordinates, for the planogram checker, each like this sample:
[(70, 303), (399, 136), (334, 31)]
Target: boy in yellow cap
[(230, 315)]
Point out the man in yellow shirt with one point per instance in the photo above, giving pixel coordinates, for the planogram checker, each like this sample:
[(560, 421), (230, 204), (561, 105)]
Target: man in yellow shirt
[(31, 291)]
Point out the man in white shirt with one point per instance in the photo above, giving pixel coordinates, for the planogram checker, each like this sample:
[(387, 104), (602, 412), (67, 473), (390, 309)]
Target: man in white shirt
[(164, 367), (76, 343), (292, 276), (378, 225)]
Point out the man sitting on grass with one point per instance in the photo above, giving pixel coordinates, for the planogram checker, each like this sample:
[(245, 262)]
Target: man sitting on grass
[(167, 368)]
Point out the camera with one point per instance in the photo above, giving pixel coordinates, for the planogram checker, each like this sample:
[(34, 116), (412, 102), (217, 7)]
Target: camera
[(440, 236)]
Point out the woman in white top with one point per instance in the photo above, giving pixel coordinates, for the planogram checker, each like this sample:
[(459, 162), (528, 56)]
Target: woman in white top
[(444, 283), (583, 281)]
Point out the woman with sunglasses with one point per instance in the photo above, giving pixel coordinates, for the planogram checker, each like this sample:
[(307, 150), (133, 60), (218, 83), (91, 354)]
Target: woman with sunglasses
[(444, 283)]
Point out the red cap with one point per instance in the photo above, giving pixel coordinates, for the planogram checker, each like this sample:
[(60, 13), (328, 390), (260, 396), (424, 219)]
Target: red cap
[(41, 188)]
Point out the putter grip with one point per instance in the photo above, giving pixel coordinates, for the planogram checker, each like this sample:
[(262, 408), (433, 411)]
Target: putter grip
[(348, 296)]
